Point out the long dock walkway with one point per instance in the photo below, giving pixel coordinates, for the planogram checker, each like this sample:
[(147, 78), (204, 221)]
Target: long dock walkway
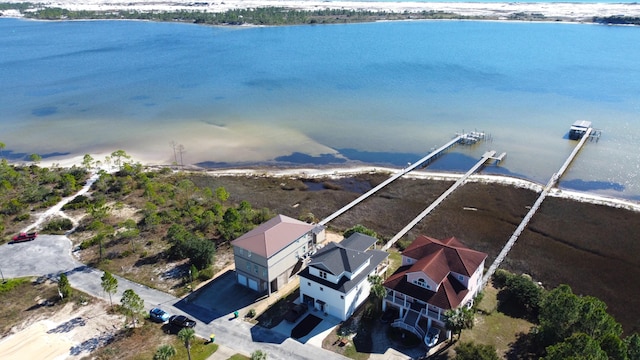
[(393, 178), (488, 155), (525, 221)]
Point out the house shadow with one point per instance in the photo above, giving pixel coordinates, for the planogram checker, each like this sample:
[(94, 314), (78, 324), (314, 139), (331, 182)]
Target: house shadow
[(321, 329), (219, 298), (264, 335)]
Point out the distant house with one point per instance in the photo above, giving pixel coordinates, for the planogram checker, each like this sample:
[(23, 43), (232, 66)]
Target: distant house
[(336, 280), (435, 276), (270, 255)]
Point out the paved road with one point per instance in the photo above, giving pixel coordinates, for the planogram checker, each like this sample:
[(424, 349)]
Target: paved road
[(51, 255)]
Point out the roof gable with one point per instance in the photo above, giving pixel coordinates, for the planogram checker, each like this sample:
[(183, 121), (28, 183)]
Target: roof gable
[(272, 236), (449, 294)]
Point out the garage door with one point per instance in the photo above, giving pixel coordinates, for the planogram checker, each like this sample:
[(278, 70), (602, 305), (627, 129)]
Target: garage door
[(242, 280), (253, 285)]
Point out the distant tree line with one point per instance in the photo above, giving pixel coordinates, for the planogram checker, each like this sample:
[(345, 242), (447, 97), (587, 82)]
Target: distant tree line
[(617, 20), (257, 16)]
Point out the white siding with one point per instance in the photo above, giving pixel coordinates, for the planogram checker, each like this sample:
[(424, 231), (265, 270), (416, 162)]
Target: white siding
[(411, 277), (407, 261), (337, 303), (329, 277)]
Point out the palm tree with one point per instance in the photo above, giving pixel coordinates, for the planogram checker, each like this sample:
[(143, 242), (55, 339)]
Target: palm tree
[(187, 335), (377, 289), (164, 352)]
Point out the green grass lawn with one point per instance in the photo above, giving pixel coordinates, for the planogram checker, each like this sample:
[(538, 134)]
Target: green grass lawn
[(239, 357), (493, 327)]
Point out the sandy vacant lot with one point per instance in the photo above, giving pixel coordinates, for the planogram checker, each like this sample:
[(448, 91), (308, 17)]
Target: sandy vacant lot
[(71, 333)]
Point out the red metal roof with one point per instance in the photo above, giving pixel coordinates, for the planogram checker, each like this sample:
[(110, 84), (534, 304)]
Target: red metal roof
[(437, 259)]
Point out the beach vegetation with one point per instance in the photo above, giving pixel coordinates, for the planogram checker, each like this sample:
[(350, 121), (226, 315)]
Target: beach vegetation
[(24, 189), (35, 158), (64, 288), (109, 285), (164, 352), (132, 305), (359, 229), (58, 225)]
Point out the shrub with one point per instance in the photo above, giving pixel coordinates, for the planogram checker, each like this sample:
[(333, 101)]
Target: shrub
[(403, 244), (500, 277), (58, 225), (205, 274), (251, 313), (22, 217)]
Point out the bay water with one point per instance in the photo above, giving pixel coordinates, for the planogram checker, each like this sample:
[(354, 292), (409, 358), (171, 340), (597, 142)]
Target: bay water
[(378, 93)]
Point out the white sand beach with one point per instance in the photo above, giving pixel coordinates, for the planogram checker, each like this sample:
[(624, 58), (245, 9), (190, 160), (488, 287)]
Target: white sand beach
[(565, 10)]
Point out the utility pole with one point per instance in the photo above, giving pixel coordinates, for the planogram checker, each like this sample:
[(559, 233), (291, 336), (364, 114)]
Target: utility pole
[(182, 151), (175, 155)]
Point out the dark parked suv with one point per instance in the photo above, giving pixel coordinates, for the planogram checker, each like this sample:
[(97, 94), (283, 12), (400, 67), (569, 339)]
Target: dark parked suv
[(182, 321)]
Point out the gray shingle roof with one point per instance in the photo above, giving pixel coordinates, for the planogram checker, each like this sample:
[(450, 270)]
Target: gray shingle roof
[(358, 241), (345, 285), (336, 259)]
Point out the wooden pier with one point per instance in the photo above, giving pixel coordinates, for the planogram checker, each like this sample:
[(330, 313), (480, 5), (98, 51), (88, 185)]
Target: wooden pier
[(525, 221), (487, 156), (459, 138)]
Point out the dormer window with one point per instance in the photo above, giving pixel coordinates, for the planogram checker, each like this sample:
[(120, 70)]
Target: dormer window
[(460, 277), (422, 283), (323, 275)]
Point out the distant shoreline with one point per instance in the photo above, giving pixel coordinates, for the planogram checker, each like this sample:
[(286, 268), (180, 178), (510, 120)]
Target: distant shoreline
[(563, 12), (348, 171)]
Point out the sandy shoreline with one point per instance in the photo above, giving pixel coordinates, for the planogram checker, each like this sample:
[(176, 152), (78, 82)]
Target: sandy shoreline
[(347, 171), (494, 10)]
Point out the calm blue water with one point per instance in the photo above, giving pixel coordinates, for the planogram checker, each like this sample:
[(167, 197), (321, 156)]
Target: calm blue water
[(376, 93)]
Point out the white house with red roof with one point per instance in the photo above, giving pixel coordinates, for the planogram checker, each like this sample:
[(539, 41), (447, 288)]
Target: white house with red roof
[(272, 254), (435, 276)]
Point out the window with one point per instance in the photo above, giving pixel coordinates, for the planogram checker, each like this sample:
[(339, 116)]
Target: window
[(249, 266), (321, 289), (240, 251), (255, 268), (341, 296), (264, 272), (308, 283), (323, 275), (422, 283)]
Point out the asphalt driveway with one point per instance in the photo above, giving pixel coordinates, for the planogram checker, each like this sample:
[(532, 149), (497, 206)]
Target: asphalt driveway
[(46, 255)]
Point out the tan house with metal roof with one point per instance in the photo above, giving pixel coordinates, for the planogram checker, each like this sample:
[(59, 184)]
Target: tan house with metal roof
[(272, 254), (435, 276)]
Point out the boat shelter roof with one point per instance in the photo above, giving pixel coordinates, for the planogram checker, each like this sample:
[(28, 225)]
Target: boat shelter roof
[(581, 125)]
